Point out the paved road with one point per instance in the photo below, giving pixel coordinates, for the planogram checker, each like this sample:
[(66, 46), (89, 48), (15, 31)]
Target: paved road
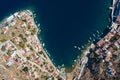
[(82, 65), (84, 60)]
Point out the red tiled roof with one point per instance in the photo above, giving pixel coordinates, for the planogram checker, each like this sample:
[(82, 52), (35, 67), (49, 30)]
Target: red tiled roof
[(111, 49), (108, 36), (54, 74), (99, 43), (97, 51), (118, 41), (118, 33), (4, 29), (118, 18), (6, 56), (104, 48)]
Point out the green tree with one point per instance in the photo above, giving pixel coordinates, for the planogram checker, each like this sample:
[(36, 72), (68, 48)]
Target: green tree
[(21, 35), (3, 48), (31, 48), (37, 79), (3, 40), (28, 58), (24, 39), (24, 20), (9, 53), (21, 44), (25, 69), (13, 34), (41, 52), (53, 78)]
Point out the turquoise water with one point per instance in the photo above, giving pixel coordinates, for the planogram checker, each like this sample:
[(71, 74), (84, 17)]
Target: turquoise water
[(64, 23)]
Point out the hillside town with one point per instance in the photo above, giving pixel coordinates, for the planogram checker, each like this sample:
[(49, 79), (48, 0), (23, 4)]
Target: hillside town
[(21, 54), (104, 59), (100, 60)]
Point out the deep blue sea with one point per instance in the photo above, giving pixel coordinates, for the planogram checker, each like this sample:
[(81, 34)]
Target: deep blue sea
[(64, 23)]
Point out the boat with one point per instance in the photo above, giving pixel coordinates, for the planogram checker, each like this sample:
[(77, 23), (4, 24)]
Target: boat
[(93, 35), (90, 38), (75, 46), (79, 48), (43, 44), (97, 31), (82, 46)]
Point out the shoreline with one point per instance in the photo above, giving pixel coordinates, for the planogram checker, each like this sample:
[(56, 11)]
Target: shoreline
[(75, 64), (114, 29), (39, 37), (40, 40), (83, 51), (82, 55), (45, 51), (37, 33), (79, 56)]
